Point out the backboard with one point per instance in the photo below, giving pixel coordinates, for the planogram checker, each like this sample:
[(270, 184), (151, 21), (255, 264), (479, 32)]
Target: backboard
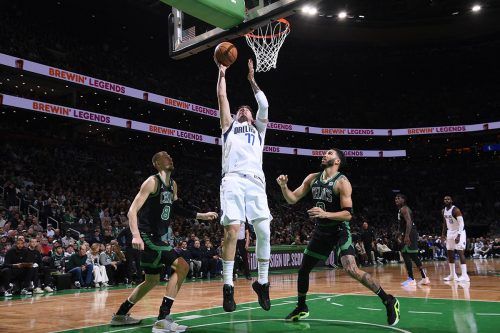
[(189, 36)]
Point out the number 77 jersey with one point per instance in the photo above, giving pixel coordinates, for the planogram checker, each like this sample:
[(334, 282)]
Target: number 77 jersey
[(242, 148)]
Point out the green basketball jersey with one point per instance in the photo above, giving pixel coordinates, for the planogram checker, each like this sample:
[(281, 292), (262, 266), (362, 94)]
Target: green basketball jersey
[(154, 215), (325, 197)]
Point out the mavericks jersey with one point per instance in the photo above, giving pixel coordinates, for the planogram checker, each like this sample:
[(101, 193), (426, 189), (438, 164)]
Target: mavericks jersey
[(451, 222), (154, 214), (242, 146), (325, 197)]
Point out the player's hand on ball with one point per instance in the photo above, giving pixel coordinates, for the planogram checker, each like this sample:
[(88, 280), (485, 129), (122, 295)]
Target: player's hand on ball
[(250, 70), (282, 180), (316, 212), (208, 216), (137, 243)]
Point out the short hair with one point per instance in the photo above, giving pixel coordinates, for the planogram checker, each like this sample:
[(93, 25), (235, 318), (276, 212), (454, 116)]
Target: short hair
[(447, 195), (341, 157), (156, 156), (245, 106), (402, 196)]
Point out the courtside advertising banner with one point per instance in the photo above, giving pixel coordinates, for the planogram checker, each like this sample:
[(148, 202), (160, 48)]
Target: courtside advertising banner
[(94, 117), (116, 88)]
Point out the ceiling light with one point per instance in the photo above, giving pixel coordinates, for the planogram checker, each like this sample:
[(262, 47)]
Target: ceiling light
[(476, 8), (342, 15)]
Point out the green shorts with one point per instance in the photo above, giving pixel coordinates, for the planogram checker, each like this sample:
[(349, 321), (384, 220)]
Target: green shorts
[(156, 254)]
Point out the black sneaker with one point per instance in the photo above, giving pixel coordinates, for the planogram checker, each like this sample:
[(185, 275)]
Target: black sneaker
[(228, 294), (262, 291), (300, 312), (392, 306)]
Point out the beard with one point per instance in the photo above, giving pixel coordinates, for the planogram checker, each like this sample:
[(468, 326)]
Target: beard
[(242, 118), (326, 164)]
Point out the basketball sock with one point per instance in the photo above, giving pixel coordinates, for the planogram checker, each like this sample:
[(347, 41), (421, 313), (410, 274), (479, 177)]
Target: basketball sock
[(452, 269), (301, 300), (125, 308), (307, 264), (227, 272), (422, 272), (383, 296), (165, 307), (463, 268), (263, 272)]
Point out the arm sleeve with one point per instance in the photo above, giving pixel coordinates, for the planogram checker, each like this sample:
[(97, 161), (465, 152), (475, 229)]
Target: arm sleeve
[(461, 223), (262, 112)]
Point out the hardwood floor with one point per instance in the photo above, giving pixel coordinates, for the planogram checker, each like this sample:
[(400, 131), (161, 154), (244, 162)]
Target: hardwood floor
[(57, 312)]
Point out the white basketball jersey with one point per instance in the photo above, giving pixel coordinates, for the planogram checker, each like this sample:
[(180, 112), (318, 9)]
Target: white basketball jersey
[(451, 222), (242, 147)]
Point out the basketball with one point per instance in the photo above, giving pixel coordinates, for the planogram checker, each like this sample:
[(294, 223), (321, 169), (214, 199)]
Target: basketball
[(225, 54)]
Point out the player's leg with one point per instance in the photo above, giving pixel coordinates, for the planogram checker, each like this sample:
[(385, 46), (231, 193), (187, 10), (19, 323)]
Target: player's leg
[(391, 303), (409, 269), (262, 230), (258, 214), (319, 248), (232, 198), (450, 246), (464, 277)]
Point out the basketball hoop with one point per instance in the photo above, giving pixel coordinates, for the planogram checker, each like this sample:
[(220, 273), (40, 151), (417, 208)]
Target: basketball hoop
[(266, 42)]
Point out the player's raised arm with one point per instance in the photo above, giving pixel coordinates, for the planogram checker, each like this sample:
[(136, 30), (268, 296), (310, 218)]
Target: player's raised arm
[(300, 192), (147, 188), (224, 109), (189, 212), (260, 97)]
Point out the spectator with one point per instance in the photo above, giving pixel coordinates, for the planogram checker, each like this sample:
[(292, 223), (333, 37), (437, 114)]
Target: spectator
[(108, 260), (209, 260), (367, 237), (80, 268), (17, 260), (98, 270)]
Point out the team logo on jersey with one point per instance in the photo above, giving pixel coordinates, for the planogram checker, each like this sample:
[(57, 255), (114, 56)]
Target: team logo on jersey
[(243, 129), (166, 197), (321, 193), (330, 184)]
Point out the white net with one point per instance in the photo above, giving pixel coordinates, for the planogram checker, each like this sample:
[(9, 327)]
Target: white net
[(266, 42)]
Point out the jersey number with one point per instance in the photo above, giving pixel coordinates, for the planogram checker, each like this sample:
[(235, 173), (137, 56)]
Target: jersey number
[(165, 214), (321, 205), (251, 138)]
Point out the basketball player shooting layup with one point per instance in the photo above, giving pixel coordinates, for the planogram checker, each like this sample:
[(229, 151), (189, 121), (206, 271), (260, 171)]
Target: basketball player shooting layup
[(332, 211), (243, 187), (453, 222), (154, 204)]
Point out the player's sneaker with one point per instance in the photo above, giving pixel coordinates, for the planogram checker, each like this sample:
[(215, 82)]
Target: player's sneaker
[(262, 291), (392, 306), (409, 282), (228, 298), (48, 289), (123, 320), (464, 278), (424, 282), (300, 312), (451, 278), (37, 290), (168, 325)]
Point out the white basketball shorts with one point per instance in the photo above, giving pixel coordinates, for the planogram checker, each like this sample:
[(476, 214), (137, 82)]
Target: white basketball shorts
[(243, 197), (450, 241)]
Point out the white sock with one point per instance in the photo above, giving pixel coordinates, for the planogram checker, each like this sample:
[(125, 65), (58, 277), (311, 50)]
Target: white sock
[(263, 269), (452, 269), (227, 272), (464, 269)]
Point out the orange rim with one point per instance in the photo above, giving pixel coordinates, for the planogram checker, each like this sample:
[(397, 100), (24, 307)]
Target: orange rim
[(281, 20)]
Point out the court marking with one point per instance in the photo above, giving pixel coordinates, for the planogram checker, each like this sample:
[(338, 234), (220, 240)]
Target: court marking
[(488, 314), (305, 321), (337, 304), (426, 312), (369, 309)]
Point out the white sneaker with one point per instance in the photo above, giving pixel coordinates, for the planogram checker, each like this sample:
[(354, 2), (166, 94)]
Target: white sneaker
[(425, 281), (48, 289), (464, 278), (451, 278), (96, 285), (105, 284), (25, 292), (37, 290), (409, 282), (168, 325), (77, 284)]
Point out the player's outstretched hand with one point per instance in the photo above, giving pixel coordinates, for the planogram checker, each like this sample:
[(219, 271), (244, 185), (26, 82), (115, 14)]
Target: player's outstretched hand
[(282, 180), (250, 70), (208, 216), (137, 243)]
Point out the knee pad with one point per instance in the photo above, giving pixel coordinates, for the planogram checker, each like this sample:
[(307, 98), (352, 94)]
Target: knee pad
[(263, 231)]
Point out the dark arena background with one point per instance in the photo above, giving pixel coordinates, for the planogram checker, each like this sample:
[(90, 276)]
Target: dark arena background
[(90, 91)]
